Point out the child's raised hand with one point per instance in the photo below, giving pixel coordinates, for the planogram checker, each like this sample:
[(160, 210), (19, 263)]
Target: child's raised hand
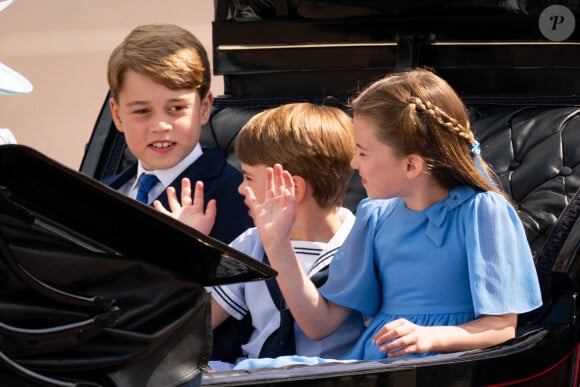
[(190, 212), (402, 337), (275, 216)]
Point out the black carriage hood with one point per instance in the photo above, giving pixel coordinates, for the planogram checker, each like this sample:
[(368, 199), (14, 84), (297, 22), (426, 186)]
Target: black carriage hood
[(84, 211)]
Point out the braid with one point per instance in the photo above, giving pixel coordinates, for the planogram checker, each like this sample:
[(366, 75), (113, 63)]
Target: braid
[(417, 112), (484, 179), (442, 118)]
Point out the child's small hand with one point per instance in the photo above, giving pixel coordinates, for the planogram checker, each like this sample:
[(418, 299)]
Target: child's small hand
[(275, 216), (402, 337), (190, 212)]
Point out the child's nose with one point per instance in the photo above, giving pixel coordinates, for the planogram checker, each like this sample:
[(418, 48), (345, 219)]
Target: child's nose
[(161, 125)]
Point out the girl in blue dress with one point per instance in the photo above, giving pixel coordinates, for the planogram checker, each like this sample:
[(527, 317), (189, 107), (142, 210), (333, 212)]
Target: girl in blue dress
[(437, 256)]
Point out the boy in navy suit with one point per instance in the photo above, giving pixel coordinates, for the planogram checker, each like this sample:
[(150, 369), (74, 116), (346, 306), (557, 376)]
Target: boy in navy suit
[(159, 78)]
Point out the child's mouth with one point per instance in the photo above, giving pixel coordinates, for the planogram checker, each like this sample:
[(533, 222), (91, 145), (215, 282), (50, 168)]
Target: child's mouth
[(163, 146)]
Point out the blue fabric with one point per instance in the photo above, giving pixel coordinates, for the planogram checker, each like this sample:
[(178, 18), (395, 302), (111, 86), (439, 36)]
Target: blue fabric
[(282, 361), (146, 182), (220, 181), (446, 265)]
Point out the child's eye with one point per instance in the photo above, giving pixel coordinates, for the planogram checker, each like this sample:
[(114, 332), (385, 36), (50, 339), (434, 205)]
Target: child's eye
[(140, 111), (177, 108)]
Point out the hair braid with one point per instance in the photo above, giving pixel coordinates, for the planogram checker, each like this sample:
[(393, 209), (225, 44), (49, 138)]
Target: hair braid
[(442, 118), (418, 112)]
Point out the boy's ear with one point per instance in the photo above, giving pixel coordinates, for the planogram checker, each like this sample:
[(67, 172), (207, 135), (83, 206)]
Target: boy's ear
[(114, 107), (206, 104), (300, 187), (415, 165)]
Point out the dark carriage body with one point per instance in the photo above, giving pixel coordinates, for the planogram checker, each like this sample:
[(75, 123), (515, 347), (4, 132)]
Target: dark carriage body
[(97, 289), (521, 85)]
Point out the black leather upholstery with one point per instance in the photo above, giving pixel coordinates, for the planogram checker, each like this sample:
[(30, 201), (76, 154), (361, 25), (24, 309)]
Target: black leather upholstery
[(535, 151)]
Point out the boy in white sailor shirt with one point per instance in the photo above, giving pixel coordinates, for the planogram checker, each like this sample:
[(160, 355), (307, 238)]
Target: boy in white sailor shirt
[(315, 145)]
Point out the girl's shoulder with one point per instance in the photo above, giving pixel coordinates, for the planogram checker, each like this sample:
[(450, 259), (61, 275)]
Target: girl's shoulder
[(470, 196), (375, 208), (372, 205), (485, 203)]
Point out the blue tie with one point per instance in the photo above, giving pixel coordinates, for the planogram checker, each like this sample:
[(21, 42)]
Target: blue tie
[(145, 184)]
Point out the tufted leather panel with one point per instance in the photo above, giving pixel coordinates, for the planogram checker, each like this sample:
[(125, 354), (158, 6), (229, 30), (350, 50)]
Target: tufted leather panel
[(535, 150)]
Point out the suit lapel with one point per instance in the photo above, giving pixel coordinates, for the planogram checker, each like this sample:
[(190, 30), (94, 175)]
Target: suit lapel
[(204, 168), (118, 180)]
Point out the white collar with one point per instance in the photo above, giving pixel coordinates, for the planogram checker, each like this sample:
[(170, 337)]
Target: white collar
[(167, 176)]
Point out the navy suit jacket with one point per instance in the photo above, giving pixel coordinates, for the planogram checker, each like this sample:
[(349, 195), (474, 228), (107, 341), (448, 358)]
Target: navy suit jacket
[(220, 181)]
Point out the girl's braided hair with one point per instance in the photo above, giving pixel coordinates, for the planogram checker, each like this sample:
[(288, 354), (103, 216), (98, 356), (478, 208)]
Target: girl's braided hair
[(417, 112), (444, 119)]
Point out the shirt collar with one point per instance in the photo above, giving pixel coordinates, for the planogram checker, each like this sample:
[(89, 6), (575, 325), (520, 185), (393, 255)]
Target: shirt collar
[(167, 176)]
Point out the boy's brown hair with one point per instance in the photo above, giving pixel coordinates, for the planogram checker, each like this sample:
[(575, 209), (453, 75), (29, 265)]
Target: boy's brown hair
[(166, 53), (312, 141)]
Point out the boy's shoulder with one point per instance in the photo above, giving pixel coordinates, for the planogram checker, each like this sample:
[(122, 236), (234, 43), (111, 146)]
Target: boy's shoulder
[(212, 164), (117, 180)]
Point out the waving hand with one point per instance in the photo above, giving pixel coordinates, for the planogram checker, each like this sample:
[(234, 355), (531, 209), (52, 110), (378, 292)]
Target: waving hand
[(275, 216), (190, 211)]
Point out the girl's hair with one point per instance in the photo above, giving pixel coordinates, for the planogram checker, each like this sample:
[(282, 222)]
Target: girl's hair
[(166, 53), (312, 141), (417, 112)]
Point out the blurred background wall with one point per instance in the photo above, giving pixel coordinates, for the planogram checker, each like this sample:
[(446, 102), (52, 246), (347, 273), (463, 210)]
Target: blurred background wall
[(62, 47)]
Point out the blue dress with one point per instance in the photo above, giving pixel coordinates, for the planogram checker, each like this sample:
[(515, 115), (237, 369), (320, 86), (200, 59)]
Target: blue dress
[(462, 257)]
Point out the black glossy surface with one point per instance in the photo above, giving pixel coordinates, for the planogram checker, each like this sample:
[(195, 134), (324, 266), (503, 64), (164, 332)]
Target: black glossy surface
[(98, 215)]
